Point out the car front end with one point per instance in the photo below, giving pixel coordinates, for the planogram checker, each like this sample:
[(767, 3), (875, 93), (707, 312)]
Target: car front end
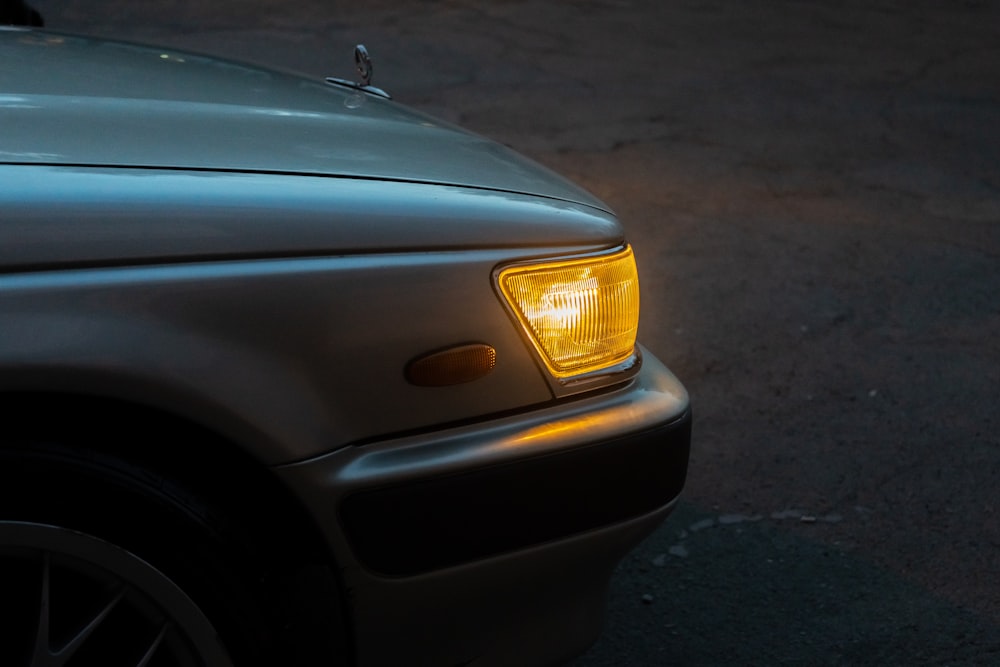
[(427, 342)]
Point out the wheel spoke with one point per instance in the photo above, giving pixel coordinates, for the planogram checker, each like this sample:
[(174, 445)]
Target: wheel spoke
[(67, 651), (44, 655), (153, 646)]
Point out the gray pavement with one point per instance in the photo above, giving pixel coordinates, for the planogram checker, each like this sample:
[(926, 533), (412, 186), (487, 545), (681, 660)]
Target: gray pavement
[(813, 190)]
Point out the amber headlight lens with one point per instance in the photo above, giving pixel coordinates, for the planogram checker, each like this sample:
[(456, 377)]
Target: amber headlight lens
[(581, 314)]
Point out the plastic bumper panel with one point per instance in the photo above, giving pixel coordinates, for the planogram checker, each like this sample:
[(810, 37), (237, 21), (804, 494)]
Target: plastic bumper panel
[(504, 532), (413, 528)]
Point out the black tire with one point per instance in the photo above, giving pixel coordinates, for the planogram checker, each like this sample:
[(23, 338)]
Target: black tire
[(89, 538)]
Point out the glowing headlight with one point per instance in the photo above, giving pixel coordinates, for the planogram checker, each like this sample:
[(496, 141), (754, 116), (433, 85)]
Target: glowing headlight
[(581, 314)]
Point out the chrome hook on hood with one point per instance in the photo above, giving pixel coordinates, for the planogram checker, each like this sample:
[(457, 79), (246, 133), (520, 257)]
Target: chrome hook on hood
[(363, 62)]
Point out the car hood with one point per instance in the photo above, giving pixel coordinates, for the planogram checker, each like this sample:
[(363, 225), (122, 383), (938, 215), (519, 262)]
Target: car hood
[(72, 100)]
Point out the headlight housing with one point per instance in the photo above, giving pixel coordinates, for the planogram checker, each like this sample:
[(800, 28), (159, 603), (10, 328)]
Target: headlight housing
[(580, 314)]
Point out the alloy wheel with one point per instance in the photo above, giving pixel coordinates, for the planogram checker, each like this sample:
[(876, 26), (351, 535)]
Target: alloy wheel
[(73, 599)]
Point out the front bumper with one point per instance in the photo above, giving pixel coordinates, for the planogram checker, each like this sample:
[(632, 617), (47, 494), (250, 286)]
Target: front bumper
[(417, 527), (504, 532)]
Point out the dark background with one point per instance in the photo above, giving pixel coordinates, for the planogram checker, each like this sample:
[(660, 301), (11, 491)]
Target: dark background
[(813, 190)]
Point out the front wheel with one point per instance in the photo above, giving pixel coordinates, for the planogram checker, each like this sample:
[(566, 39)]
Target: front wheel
[(73, 599), (110, 562)]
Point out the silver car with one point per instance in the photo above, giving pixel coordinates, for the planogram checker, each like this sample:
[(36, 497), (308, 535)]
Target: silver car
[(291, 374)]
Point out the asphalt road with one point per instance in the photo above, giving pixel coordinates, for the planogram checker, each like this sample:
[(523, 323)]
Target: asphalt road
[(813, 190)]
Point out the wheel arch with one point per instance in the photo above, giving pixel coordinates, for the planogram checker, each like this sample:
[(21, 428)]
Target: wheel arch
[(199, 461)]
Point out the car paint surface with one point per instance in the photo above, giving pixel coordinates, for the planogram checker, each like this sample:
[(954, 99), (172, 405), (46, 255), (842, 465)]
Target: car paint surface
[(61, 216), (291, 357), (95, 102)]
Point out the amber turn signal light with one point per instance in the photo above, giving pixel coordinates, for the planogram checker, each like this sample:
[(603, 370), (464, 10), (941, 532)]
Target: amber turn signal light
[(455, 365), (580, 314)]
